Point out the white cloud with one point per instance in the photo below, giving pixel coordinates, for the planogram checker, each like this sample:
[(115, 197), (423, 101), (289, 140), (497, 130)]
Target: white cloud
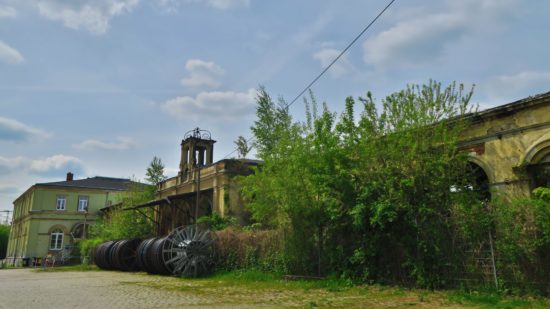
[(341, 67), (9, 54), (228, 105), (7, 11), (123, 143), (202, 73), (517, 85), (93, 16), (425, 34), (56, 164), (174, 5), (11, 164), (13, 130)]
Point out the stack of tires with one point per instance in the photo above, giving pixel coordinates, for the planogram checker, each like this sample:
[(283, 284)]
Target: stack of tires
[(186, 251)]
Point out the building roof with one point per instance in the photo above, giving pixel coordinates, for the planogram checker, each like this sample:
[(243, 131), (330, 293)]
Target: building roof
[(98, 182), (542, 98)]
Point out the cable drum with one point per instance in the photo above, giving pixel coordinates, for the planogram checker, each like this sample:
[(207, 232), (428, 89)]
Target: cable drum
[(154, 255), (123, 255), (142, 259), (102, 255), (187, 251)]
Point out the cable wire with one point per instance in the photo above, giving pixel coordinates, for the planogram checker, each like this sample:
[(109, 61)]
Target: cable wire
[(331, 64)]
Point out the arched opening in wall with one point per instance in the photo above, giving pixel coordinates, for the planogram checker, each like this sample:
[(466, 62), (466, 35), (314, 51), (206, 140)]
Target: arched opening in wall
[(539, 172), (78, 231), (479, 181), (474, 179)]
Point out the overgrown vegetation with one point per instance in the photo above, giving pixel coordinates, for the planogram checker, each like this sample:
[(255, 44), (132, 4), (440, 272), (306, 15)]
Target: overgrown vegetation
[(4, 237), (385, 197), (523, 241), (120, 223)]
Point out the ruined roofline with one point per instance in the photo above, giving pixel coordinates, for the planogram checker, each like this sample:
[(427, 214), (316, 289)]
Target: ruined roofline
[(509, 108)]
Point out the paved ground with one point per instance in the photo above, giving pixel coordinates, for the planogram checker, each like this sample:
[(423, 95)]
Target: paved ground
[(27, 288)]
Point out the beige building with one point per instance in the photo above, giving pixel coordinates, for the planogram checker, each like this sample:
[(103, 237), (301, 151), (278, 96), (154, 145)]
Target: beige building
[(212, 184), (50, 217), (511, 144)]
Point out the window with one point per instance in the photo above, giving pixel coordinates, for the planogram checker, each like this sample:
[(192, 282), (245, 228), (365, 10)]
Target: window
[(56, 239), (61, 202), (78, 231), (82, 203)]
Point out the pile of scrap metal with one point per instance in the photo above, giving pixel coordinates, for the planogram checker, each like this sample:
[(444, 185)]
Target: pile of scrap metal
[(186, 251)]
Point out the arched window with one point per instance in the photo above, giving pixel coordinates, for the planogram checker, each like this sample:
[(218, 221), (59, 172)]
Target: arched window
[(540, 172), (474, 179), (479, 181), (56, 239), (78, 230)]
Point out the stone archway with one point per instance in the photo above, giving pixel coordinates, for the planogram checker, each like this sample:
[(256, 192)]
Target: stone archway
[(479, 179), (537, 162)]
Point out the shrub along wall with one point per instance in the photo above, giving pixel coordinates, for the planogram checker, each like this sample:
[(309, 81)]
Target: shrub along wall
[(385, 197)]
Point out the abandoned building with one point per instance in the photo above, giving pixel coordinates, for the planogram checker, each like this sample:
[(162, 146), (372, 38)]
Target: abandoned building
[(508, 145), (511, 146), (202, 187)]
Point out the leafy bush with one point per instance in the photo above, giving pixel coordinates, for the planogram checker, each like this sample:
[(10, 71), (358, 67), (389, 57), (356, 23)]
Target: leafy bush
[(236, 248), (216, 222), (366, 198), (523, 242), (120, 223)]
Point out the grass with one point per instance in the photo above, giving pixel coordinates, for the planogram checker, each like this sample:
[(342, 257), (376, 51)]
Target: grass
[(79, 267), (488, 300), (253, 287)]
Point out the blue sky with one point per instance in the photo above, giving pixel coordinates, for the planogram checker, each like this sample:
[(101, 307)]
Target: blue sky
[(100, 87)]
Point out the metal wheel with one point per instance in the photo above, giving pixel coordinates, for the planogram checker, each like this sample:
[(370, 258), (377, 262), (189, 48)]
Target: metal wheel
[(187, 251)]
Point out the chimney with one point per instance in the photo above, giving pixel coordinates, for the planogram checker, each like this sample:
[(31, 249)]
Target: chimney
[(70, 176)]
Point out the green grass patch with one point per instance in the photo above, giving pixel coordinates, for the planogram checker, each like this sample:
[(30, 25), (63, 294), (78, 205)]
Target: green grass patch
[(265, 280), (79, 267), (489, 300)]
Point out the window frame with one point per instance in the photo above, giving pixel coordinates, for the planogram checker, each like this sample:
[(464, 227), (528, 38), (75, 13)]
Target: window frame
[(56, 239), (83, 198), (61, 206)]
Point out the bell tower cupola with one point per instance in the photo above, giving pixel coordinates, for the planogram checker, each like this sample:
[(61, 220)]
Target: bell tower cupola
[(197, 150)]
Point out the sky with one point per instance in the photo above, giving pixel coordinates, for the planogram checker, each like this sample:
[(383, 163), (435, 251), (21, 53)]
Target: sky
[(99, 87)]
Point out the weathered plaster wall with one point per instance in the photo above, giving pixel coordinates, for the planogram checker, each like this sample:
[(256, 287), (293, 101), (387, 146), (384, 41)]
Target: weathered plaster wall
[(503, 143)]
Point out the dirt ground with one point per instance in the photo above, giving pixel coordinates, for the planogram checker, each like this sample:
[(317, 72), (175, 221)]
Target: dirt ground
[(28, 288)]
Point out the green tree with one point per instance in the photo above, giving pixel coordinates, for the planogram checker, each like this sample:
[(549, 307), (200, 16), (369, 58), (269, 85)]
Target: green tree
[(369, 197), (155, 171), (4, 237), (242, 147)]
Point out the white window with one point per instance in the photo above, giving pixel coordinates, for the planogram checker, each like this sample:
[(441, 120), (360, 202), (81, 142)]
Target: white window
[(61, 202), (56, 239), (82, 203)]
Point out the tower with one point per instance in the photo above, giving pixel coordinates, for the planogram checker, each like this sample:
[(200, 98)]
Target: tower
[(197, 149)]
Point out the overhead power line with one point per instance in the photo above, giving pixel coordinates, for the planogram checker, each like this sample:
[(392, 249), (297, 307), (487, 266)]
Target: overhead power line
[(331, 63), (341, 53)]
